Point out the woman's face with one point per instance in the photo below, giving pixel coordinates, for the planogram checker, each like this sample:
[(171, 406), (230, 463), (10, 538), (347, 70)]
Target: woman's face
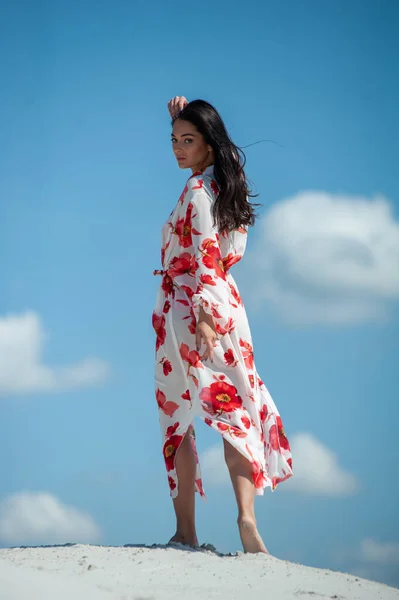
[(190, 148)]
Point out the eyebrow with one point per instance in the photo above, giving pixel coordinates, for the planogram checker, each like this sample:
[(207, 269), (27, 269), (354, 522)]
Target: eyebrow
[(183, 134)]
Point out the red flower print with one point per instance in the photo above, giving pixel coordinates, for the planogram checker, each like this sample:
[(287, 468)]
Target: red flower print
[(193, 321), (258, 475), (183, 195), (263, 413), (222, 426), (186, 395), (199, 486), (273, 437), (192, 357), (200, 183), (248, 449), (246, 422), (277, 480), (235, 294), (184, 302), (167, 406), (228, 329), (215, 313), (237, 432), (284, 443), (277, 436), (167, 285), (163, 250), (230, 260), (183, 264), (208, 421), (187, 290), (229, 358), (247, 354), (251, 380), (172, 429), (166, 307), (158, 323), (220, 397), (214, 187), (184, 230), (212, 258), (207, 280), (169, 450), (172, 483), (192, 327), (167, 366), (233, 431)]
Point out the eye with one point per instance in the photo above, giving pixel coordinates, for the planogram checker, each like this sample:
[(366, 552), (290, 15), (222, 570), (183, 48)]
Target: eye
[(189, 140)]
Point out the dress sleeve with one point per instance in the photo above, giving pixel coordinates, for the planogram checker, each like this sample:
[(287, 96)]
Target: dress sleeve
[(211, 290)]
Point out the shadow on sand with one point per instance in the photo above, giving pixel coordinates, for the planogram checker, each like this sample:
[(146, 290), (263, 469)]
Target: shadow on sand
[(176, 546)]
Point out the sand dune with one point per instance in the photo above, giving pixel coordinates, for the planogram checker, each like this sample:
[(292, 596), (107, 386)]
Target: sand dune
[(82, 572)]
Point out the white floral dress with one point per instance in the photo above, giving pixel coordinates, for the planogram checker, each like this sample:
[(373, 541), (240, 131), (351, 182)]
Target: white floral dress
[(227, 393)]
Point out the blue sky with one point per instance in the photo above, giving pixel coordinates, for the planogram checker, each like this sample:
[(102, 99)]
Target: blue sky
[(87, 179)]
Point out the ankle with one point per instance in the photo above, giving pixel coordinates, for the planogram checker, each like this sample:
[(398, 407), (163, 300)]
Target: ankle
[(186, 530), (189, 539)]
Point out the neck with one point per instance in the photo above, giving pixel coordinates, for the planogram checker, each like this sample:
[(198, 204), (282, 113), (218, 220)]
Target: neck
[(202, 167)]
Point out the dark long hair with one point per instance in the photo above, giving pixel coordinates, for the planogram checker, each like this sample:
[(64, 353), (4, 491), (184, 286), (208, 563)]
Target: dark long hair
[(232, 208)]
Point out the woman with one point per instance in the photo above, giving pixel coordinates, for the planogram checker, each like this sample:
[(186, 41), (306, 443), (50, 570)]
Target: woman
[(204, 359)]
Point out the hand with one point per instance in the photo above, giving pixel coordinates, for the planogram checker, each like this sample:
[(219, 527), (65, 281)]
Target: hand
[(205, 331), (176, 105)]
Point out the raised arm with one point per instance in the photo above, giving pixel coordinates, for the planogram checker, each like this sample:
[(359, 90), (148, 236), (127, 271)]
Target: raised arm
[(176, 105)]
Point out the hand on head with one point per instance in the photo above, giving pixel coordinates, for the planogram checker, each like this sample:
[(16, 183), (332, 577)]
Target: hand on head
[(176, 105)]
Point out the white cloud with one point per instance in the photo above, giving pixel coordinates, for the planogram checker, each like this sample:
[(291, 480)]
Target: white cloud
[(36, 518), (385, 553), (214, 467), (316, 469), (370, 559), (324, 258), (21, 369)]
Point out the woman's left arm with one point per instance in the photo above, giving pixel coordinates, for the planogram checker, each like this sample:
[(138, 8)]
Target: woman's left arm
[(211, 298)]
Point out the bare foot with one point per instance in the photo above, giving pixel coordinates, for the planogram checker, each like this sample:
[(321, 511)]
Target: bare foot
[(186, 540), (250, 537)]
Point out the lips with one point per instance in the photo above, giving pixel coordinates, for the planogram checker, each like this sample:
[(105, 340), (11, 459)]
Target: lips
[(180, 158)]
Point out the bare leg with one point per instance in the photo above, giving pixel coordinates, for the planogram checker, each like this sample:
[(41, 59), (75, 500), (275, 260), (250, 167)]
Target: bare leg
[(184, 503), (244, 489)]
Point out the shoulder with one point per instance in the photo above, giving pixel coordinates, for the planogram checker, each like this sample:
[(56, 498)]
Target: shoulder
[(202, 184)]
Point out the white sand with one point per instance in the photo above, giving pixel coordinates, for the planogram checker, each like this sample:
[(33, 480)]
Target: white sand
[(165, 573)]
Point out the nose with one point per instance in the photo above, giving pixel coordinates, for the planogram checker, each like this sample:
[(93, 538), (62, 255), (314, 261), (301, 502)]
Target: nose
[(178, 145)]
